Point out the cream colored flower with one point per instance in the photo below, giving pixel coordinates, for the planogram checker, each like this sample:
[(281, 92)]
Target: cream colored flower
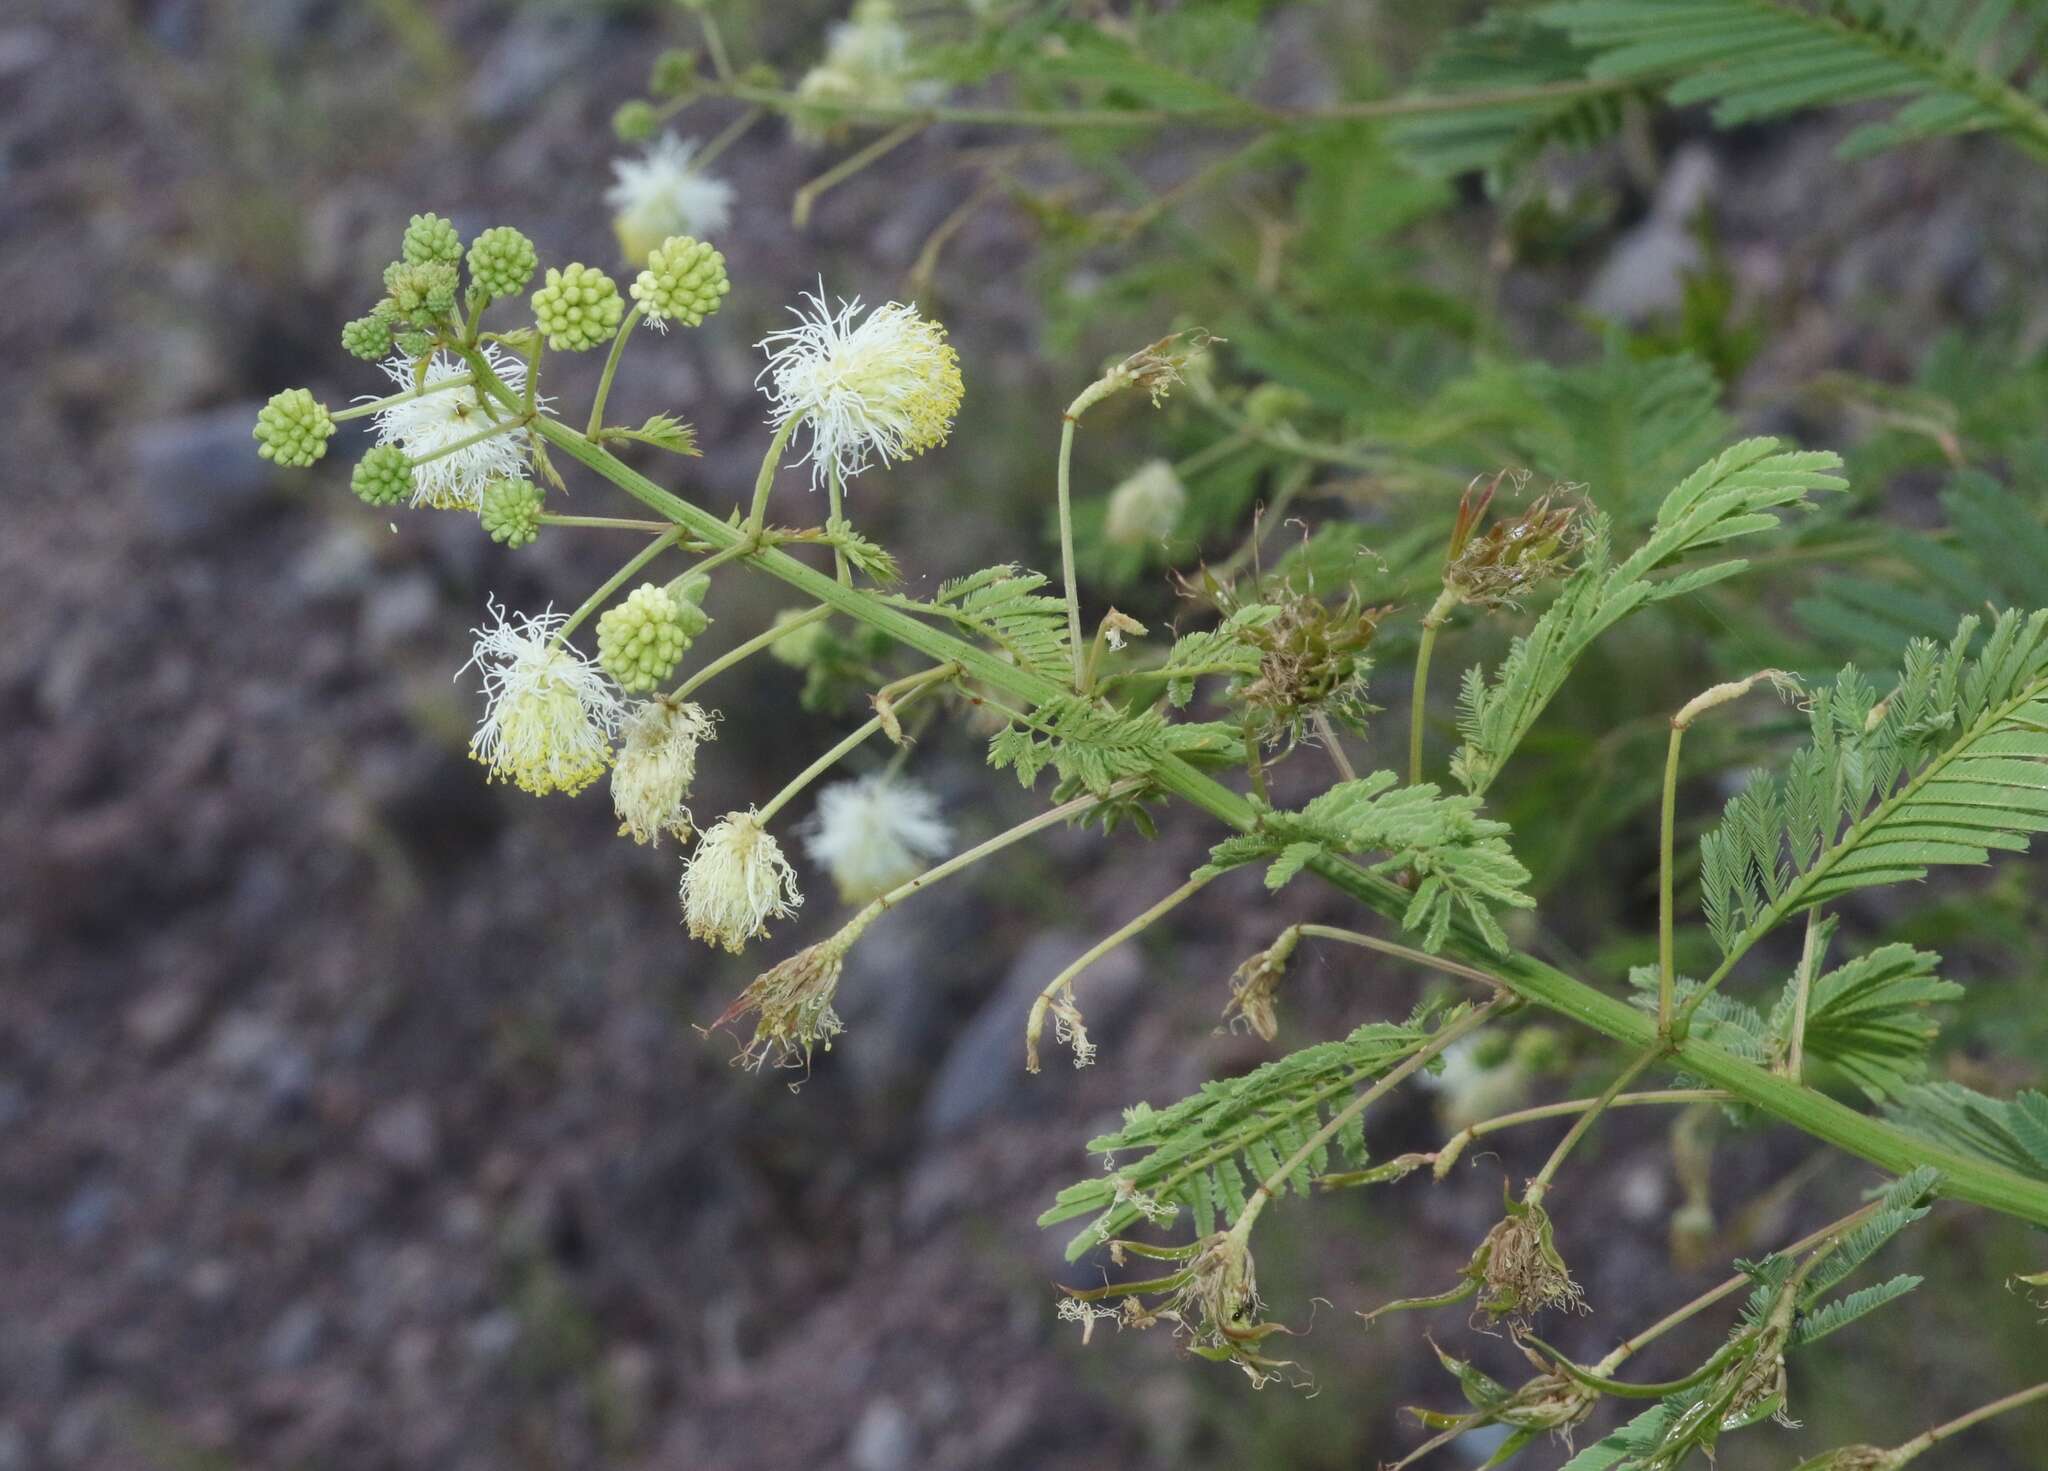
[(867, 63), (550, 713), (887, 387), (735, 881), (874, 833), (428, 426), (1146, 508), (662, 193), (657, 761)]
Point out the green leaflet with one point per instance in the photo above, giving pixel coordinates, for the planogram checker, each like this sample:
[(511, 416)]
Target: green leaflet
[(1210, 1150), (1867, 1018), (1946, 770), (1092, 746), (1461, 860), (1733, 495), (1003, 606), (2014, 1133), (1959, 67)]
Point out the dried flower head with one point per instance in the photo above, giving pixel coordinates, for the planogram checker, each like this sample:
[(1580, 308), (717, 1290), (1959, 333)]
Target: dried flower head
[(791, 1004), (735, 881), (874, 833), (1498, 566), (1312, 654), (656, 764), (1163, 365), (1520, 1270), (430, 426), (1255, 984), (550, 714), (1146, 508), (888, 386), (663, 193)]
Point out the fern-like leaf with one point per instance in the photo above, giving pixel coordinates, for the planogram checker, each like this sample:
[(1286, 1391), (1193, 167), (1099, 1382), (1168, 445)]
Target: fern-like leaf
[(1867, 1018), (1845, 1310), (2013, 1134), (1003, 605)]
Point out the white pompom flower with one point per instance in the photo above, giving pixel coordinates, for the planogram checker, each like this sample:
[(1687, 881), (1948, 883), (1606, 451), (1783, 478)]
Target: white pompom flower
[(550, 713), (735, 881), (429, 424), (663, 193), (887, 386), (874, 833), (656, 764), (1146, 508)]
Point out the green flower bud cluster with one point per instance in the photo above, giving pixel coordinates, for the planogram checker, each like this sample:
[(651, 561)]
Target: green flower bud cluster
[(511, 511), (429, 239), (383, 477), (501, 262), (640, 642), (420, 290), (635, 121), (293, 428), (685, 280), (368, 338), (577, 307)]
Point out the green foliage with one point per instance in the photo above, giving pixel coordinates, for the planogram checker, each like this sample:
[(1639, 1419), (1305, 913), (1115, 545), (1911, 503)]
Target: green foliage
[(1208, 1151), (1732, 495), (1093, 747), (1867, 1018), (1460, 860), (663, 431), (1943, 771), (1003, 606), (2012, 1133)]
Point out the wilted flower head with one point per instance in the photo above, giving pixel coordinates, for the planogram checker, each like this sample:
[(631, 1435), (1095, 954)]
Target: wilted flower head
[(1146, 507), (1313, 653), (1163, 365), (874, 833), (1510, 557), (792, 1006), (662, 193), (427, 425), (1520, 1270), (735, 881), (656, 764), (1255, 984), (550, 714), (887, 387)]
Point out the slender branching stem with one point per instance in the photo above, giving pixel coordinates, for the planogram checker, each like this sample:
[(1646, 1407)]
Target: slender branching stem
[(1540, 1186), (1408, 953), (765, 480), (1327, 733), (1455, 1146), (1418, 698), (846, 168), (911, 688), (1073, 586), (1795, 1051), (714, 45), (1061, 987), (1977, 1416), (618, 580), (611, 368), (468, 441), (363, 410), (1450, 1032), (748, 649), (606, 523)]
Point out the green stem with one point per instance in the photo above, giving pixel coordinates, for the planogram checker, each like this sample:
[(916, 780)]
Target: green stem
[(836, 489), (730, 134), (361, 410), (765, 480), (1067, 543), (746, 650), (1064, 981), (468, 440), (1795, 1052), (1977, 1416), (611, 368), (1540, 1186), (1667, 967), (1964, 1176), (912, 687), (617, 580), (846, 168), (604, 523), (1455, 1146), (1418, 699), (1399, 952)]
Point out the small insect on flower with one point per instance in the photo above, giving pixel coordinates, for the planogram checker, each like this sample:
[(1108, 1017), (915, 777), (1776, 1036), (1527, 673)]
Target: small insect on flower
[(430, 426), (735, 881), (662, 193), (550, 714), (656, 764), (874, 833), (888, 386)]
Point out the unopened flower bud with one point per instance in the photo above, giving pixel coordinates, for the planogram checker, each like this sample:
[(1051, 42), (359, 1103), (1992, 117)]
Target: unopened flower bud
[(383, 476), (293, 428), (635, 121), (1272, 404), (430, 238), (368, 338), (501, 262), (640, 642), (684, 281), (801, 644), (577, 307), (510, 511), (421, 290)]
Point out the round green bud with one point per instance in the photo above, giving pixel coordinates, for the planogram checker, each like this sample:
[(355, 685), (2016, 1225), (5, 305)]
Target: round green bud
[(674, 73), (368, 338), (640, 642), (1539, 1049), (578, 307), (1489, 1051), (511, 511), (414, 345), (692, 588), (382, 477), (1271, 404), (421, 290), (430, 238), (501, 262), (684, 281), (635, 121), (799, 646), (293, 428)]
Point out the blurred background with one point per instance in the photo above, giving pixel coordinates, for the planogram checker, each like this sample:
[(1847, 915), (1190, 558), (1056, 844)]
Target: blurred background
[(354, 1113)]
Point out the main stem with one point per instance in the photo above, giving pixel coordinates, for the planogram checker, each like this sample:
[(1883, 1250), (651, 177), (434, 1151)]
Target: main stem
[(1977, 1416), (1965, 1176)]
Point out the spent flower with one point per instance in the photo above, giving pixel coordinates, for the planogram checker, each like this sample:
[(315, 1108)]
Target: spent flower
[(656, 764), (887, 386), (429, 427), (550, 714), (874, 833), (735, 881), (791, 1003), (663, 193)]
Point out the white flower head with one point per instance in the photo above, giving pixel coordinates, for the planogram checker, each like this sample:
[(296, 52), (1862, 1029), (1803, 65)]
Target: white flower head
[(867, 63), (662, 193), (1146, 508), (426, 425), (550, 713), (874, 833), (656, 764), (735, 881), (888, 386)]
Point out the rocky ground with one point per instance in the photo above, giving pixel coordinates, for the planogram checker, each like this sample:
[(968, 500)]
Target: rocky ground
[(351, 1111)]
